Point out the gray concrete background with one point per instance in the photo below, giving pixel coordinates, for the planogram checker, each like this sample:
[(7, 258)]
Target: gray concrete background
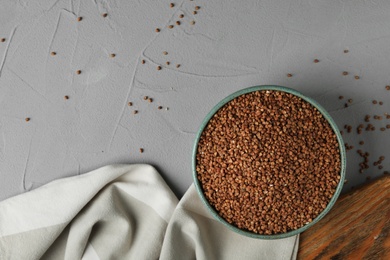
[(232, 45)]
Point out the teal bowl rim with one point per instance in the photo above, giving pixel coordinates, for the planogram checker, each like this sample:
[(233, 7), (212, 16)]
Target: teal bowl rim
[(343, 160)]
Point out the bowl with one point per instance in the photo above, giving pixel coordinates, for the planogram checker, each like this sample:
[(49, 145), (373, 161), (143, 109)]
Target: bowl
[(325, 114)]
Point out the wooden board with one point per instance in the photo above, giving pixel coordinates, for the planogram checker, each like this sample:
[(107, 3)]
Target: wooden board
[(357, 227)]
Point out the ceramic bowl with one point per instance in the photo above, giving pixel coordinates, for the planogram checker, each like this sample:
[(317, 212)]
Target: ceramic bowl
[(198, 185)]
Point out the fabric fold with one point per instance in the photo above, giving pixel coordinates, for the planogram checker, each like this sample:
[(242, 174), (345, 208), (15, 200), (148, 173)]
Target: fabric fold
[(116, 212)]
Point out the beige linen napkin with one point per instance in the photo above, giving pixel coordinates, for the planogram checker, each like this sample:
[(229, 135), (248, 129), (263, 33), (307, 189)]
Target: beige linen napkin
[(121, 212), (115, 212)]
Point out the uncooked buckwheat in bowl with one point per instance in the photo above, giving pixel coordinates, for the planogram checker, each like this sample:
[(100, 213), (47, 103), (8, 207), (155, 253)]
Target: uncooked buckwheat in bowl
[(268, 162)]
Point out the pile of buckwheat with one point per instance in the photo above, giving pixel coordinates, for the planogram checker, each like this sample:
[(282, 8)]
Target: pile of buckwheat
[(268, 162)]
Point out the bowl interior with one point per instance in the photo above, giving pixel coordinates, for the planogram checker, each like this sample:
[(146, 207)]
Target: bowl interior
[(326, 116)]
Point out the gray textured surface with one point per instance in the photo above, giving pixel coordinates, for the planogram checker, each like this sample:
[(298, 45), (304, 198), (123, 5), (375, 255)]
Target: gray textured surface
[(231, 46)]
